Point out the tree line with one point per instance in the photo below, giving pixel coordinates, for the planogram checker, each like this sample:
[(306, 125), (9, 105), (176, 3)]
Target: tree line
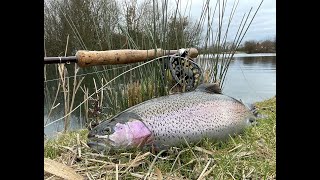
[(252, 46), (114, 24), (127, 24)]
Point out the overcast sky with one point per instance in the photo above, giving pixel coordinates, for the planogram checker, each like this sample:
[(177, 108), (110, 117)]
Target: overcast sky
[(263, 26)]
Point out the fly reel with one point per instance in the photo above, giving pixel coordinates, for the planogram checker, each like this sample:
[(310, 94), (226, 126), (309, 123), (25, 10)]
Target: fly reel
[(184, 70)]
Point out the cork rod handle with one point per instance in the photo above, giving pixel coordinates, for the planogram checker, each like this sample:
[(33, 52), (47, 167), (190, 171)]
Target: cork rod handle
[(125, 56)]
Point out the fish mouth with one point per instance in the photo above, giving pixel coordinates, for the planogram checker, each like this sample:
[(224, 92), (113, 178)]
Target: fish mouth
[(98, 144)]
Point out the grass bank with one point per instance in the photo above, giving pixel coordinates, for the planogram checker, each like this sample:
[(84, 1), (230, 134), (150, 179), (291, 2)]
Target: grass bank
[(251, 155)]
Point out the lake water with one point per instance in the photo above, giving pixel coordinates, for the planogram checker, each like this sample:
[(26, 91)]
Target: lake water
[(251, 78)]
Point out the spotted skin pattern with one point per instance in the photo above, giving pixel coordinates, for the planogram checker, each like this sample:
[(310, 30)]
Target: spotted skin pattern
[(191, 116)]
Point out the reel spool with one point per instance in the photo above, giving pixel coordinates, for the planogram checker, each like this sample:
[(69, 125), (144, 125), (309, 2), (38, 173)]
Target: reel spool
[(184, 70)]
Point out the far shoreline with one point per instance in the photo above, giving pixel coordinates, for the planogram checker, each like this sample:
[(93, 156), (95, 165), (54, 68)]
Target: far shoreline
[(241, 54)]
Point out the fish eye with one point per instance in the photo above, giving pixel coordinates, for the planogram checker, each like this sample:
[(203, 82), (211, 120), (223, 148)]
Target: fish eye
[(106, 130)]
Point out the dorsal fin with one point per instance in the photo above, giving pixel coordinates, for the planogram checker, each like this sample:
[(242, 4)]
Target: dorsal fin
[(213, 88)]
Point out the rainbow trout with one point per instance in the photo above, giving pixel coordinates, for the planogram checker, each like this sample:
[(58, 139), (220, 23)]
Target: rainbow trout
[(171, 120)]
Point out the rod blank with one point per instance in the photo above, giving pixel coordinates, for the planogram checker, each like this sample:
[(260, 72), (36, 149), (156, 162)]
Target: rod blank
[(56, 60)]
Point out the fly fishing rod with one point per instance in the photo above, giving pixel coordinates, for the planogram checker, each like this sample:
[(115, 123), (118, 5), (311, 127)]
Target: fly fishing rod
[(94, 58), (181, 65)]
